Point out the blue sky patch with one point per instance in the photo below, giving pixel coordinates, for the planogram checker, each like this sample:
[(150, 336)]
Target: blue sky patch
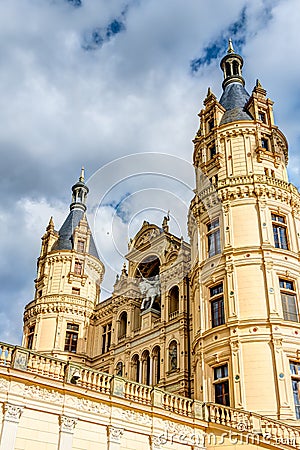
[(218, 48)]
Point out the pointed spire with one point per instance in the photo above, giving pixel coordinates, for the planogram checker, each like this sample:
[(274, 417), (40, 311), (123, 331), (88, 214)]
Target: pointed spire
[(230, 47), (50, 226)]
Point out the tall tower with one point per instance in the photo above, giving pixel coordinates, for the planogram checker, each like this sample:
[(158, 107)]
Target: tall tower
[(67, 286), (244, 229)]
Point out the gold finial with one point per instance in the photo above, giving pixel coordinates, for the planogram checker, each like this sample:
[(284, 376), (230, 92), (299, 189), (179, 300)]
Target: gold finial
[(81, 178), (230, 47), (208, 92), (258, 83)]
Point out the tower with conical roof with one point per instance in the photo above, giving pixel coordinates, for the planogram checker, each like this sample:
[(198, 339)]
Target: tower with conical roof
[(244, 227), (67, 286)]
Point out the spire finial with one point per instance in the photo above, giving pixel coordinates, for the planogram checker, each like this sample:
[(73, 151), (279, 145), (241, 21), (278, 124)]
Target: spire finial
[(230, 46), (50, 224), (81, 178)]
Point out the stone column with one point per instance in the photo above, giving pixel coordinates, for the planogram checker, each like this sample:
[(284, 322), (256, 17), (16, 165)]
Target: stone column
[(114, 437), (150, 371), (12, 414), (66, 431)]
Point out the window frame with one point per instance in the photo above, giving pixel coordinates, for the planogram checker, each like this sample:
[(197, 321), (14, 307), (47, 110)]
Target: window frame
[(287, 294), (106, 337), (213, 235), (30, 336), (223, 382), (81, 243), (278, 227), (295, 378), (217, 299), (78, 267), (71, 337)]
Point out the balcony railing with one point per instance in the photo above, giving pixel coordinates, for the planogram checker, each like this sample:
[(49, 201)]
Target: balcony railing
[(273, 433)]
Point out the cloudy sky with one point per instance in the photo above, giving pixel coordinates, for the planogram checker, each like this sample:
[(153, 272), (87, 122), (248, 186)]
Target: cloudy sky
[(89, 82)]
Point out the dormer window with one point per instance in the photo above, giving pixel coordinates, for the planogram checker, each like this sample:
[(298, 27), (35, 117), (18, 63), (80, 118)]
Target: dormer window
[(211, 124), (262, 116), (80, 246)]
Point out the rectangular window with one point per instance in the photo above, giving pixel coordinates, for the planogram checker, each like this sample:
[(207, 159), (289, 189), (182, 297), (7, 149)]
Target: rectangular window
[(211, 124), (78, 268), (262, 116), (265, 143), (212, 151), (221, 385), (213, 237), (288, 300), (75, 291), (71, 337), (217, 305), (295, 376), (279, 231), (106, 337), (80, 246), (30, 337)]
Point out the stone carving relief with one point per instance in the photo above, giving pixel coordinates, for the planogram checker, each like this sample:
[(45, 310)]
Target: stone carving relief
[(134, 417), (114, 434), (12, 413), (43, 394), (67, 424), (4, 385)]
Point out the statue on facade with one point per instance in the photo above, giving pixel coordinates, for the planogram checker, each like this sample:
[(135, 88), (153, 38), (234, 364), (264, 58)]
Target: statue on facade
[(150, 289)]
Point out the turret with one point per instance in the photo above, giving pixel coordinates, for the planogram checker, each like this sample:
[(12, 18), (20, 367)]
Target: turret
[(67, 286), (244, 227)]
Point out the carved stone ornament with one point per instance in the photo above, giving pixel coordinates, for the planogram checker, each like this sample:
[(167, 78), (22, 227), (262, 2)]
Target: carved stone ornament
[(114, 434), (4, 385), (12, 413), (67, 424), (43, 394), (134, 417), (156, 442)]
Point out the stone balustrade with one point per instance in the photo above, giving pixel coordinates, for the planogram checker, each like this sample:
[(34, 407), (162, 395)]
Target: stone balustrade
[(275, 433)]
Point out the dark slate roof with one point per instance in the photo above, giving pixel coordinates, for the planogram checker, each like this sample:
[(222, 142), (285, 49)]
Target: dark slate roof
[(65, 240), (234, 99)]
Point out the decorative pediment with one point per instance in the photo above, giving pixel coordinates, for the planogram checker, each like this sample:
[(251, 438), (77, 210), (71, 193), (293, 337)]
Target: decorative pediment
[(144, 236)]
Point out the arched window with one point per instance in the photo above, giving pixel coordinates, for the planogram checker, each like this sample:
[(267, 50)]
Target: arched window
[(146, 367), (135, 368), (227, 69), (123, 325), (173, 301), (173, 356), (235, 66), (156, 365), (119, 369)]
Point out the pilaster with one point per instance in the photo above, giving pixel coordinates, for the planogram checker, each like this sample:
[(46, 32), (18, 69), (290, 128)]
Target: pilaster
[(66, 432), (12, 414)]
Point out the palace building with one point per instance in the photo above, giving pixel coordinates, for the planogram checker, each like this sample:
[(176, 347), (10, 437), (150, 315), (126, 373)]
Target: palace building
[(198, 345)]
